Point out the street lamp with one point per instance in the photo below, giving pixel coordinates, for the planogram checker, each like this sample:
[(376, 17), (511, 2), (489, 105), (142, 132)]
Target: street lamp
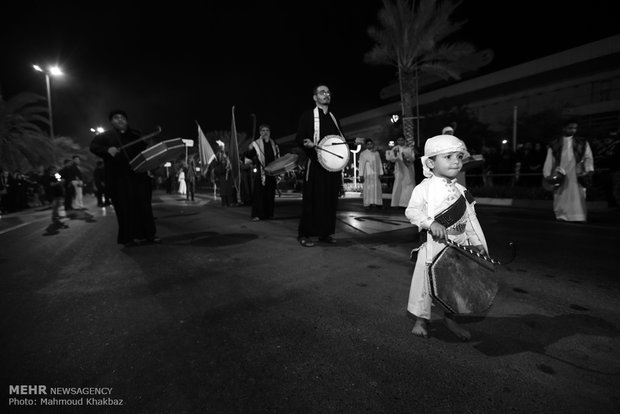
[(54, 71), (355, 151)]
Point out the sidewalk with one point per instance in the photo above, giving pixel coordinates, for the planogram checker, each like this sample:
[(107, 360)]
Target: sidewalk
[(510, 202)]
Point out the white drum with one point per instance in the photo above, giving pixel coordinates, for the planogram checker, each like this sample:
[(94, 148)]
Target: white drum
[(333, 153)]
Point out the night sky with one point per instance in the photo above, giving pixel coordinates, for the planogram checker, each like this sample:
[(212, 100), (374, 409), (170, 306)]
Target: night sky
[(175, 63)]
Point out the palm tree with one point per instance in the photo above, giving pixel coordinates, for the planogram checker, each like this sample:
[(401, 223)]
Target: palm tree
[(413, 37), (23, 143)]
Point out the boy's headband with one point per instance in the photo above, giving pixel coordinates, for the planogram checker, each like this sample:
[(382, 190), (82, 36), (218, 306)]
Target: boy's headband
[(441, 144)]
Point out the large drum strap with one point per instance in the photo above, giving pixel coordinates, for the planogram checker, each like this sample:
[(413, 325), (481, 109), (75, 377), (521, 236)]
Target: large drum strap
[(453, 213)]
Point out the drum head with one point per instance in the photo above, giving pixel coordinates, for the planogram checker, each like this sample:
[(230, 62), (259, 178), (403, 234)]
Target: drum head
[(462, 283), (281, 165), (156, 155), (334, 153)]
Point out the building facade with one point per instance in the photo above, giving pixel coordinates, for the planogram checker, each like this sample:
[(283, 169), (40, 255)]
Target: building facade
[(583, 82)]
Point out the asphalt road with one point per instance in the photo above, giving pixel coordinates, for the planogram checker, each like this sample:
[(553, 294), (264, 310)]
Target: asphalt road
[(230, 315)]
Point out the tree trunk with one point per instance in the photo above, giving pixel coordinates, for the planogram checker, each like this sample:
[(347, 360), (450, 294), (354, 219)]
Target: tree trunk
[(407, 90)]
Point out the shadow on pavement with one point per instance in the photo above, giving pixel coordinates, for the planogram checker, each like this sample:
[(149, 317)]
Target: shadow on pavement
[(170, 216), (533, 333), (501, 336), (210, 238), (81, 215), (54, 228)]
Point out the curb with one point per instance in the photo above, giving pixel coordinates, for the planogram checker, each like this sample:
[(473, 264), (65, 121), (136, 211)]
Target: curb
[(509, 202), (536, 204)]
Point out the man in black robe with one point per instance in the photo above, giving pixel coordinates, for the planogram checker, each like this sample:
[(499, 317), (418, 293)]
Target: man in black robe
[(130, 191), (320, 186), (101, 192), (68, 174)]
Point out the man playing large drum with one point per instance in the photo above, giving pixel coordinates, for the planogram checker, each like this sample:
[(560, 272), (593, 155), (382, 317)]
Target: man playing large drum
[(443, 210), (320, 185), (130, 190), (262, 152)]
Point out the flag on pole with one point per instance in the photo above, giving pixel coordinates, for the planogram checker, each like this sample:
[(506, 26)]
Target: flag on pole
[(233, 154), (204, 151)]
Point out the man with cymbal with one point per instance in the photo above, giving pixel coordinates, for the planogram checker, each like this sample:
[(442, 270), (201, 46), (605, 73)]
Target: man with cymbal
[(129, 190), (320, 185)]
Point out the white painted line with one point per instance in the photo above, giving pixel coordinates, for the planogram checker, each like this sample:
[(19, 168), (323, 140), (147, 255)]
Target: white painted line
[(15, 227)]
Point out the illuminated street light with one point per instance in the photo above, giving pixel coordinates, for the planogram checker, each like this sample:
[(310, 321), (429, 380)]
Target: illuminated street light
[(53, 71)]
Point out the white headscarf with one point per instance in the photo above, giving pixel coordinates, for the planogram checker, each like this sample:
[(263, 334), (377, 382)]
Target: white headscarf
[(441, 144)]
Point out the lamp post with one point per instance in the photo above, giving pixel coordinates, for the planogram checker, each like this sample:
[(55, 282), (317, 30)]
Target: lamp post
[(355, 151), (53, 71), (188, 143)]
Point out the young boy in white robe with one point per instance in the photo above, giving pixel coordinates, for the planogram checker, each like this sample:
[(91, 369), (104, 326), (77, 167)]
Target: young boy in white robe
[(441, 209)]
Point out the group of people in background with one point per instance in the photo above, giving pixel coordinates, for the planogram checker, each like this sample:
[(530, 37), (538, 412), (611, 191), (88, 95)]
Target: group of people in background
[(17, 189), (53, 187), (569, 156), (186, 180)]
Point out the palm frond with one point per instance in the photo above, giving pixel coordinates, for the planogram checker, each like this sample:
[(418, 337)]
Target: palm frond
[(412, 33), (23, 142)]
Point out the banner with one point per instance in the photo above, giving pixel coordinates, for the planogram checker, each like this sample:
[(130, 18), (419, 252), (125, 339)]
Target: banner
[(233, 154), (205, 151)]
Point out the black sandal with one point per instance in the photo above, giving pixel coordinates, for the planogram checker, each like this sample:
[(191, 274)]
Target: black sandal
[(328, 239), (305, 242)]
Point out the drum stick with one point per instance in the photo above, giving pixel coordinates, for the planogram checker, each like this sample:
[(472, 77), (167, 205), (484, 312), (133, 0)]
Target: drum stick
[(339, 143), (144, 138), (329, 152)]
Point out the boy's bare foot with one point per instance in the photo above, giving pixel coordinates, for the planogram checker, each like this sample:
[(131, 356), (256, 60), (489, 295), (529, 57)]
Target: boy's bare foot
[(454, 327), (419, 329)]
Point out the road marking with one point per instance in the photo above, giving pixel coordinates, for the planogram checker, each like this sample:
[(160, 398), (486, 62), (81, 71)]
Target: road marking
[(18, 226)]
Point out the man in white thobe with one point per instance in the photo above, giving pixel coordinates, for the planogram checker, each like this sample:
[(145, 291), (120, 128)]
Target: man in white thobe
[(404, 174), (371, 170), (571, 156)]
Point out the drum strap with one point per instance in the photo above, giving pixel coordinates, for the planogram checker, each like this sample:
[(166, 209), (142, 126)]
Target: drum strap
[(453, 213), (317, 125), (317, 132), (259, 147), (446, 218)]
